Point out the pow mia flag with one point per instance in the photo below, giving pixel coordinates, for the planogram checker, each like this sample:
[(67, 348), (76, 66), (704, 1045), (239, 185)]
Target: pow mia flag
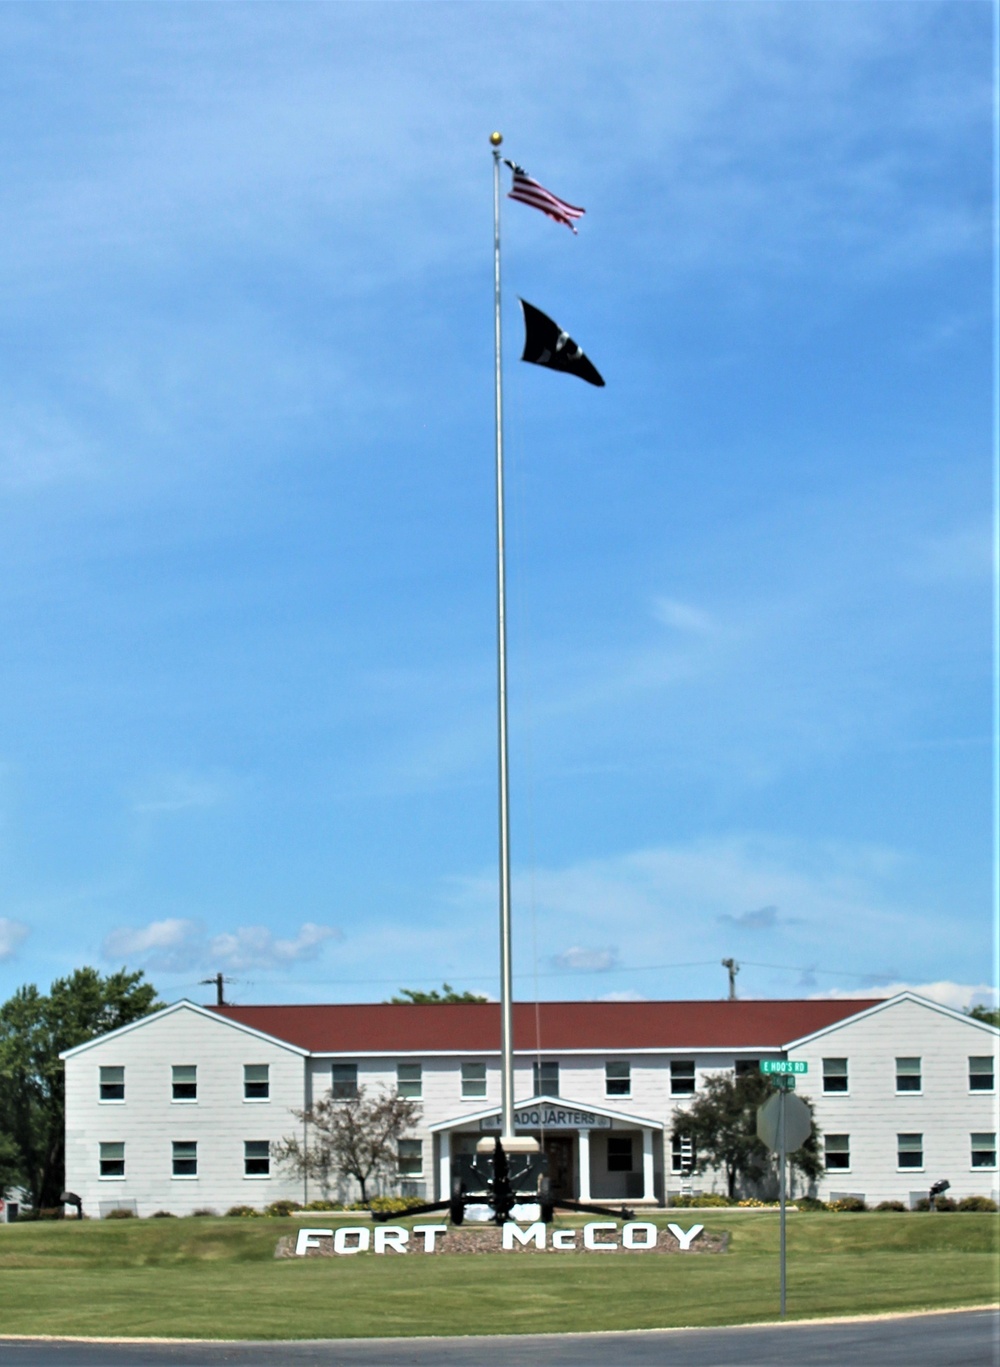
[(546, 344)]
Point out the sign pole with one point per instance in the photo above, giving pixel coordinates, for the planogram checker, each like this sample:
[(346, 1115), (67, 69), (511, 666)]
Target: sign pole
[(781, 1191)]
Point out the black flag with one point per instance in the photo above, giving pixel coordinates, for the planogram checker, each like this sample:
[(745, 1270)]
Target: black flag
[(546, 344)]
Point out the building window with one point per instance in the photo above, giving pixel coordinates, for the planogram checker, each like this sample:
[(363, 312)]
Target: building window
[(411, 1158), (256, 1082), (835, 1077), (545, 1077), (256, 1158), (185, 1082), (409, 1079), (981, 1077), (908, 1078), (113, 1160), (619, 1153), (473, 1079), (345, 1081), (910, 1150), (617, 1079), (682, 1155), (837, 1151), (747, 1065), (682, 1077), (185, 1158), (984, 1150), (112, 1084)]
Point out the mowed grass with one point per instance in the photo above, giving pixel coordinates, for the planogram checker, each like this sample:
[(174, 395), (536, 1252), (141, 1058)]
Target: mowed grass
[(218, 1278)]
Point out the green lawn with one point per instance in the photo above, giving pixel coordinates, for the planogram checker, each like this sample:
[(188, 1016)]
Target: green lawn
[(218, 1278)]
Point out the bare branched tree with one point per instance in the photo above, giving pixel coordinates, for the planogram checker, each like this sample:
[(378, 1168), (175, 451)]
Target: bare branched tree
[(354, 1136)]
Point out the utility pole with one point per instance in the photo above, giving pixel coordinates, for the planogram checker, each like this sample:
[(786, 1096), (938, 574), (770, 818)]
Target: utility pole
[(219, 981), (734, 968)]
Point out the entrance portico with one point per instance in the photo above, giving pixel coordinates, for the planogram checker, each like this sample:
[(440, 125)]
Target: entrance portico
[(595, 1154)]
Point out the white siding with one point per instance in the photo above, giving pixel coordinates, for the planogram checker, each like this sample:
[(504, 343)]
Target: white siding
[(945, 1112), (872, 1113), (148, 1121)]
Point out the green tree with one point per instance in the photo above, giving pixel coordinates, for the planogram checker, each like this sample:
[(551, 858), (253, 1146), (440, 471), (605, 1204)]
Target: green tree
[(722, 1126), (989, 1014), (355, 1136), (34, 1030), (413, 996)]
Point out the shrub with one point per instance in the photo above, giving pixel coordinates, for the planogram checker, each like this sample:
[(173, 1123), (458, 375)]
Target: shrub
[(204, 1210), (323, 1205), (710, 1199), (848, 1203), (890, 1205), (246, 1211), (977, 1203), (922, 1204), (120, 1214), (282, 1208), (390, 1204), (752, 1203), (162, 1215), (945, 1203), (810, 1203)]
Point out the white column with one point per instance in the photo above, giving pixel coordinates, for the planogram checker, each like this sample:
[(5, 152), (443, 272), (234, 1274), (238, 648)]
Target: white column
[(584, 1165), (647, 1165), (444, 1166)]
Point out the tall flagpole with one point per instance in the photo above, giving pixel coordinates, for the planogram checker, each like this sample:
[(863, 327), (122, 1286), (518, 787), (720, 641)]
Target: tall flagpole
[(506, 974)]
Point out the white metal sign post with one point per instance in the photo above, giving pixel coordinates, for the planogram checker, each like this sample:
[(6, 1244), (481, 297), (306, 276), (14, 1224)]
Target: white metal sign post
[(784, 1123)]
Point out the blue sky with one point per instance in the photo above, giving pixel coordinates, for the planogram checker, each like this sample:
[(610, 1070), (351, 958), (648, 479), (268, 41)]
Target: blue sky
[(246, 570)]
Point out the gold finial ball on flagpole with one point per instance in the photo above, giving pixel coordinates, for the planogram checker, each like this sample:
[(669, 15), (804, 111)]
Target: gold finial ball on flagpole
[(496, 139)]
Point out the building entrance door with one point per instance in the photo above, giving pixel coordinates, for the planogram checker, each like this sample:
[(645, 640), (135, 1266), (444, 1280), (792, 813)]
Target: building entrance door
[(559, 1152)]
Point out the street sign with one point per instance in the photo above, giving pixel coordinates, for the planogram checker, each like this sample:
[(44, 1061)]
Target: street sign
[(798, 1123), (784, 1065), (784, 1123)]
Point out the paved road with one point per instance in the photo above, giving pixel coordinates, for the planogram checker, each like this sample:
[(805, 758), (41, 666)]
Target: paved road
[(966, 1339)]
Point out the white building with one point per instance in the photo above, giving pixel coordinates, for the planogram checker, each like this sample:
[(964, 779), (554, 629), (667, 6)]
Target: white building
[(178, 1111)]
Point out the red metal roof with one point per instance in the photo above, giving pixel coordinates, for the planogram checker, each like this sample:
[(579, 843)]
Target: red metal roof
[(600, 1026)]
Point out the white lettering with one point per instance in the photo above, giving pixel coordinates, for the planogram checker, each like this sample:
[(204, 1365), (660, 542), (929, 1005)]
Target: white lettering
[(633, 1229), (430, 1233), (534, 1233), (564, 1238), (347, 1231), (590, 1234), (685, 1240), (391, 1236), (309, 1238)]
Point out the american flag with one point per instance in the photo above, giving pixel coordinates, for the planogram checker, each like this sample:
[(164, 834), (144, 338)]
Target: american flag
[(528, 191)]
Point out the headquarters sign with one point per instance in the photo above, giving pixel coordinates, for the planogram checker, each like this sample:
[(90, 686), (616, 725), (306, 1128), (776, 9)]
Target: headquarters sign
[(550, 1118)]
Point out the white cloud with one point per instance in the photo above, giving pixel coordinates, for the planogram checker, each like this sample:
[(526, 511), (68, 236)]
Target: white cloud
[(176, 945), (761, 918), (12, 933), (582, 960), (180, 792), (628, 995), (959, 996), (257, 947), (962, 556), (683, 617), (171, 945), (852, 909)]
